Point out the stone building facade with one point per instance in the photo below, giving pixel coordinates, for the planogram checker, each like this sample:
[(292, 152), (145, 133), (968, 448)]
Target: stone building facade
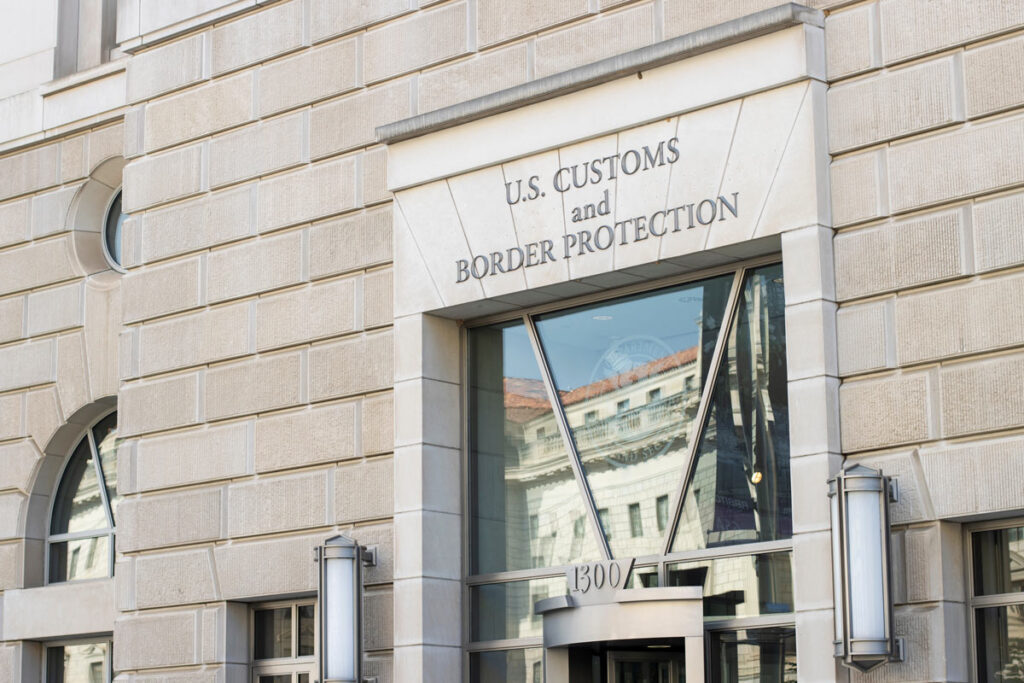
[(283, 323)]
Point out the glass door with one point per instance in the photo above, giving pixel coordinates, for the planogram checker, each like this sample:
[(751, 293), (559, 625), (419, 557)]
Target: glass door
[(646, 667)]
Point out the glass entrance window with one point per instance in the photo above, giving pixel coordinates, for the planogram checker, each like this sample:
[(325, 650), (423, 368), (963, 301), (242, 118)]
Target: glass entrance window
[(651, 426), (997, 601)]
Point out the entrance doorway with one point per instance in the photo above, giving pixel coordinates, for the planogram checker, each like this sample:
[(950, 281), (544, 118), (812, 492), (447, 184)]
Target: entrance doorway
[(646, 667)]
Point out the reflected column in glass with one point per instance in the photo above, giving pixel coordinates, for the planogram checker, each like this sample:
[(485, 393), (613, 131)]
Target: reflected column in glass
[(527, 511), (1000, 643), (629, 374), (740, 586)]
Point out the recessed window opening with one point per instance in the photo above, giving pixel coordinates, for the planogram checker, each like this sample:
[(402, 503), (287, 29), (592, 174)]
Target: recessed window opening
[(284, 642), (113, 224), (77, 662)]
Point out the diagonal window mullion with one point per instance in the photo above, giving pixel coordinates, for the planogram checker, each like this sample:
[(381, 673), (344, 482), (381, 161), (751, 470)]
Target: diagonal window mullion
[(698, 424), (100, 477), (563, 429)]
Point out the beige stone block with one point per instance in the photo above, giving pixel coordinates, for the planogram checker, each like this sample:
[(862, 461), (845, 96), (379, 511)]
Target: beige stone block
[(151, 641), (594, 40), (814, 323), (364, 491), (960, 320), (500, 20), (154, 291), (11, 555), (427, 611), (257, 150), (171, 579), (163, 404), (37, 264), (10, 417), (198, 112), (197, 339), (814, 416), (191, 516), (899, 255), (883, 412), (55, 309), (50, 211), (306, 437), (73, 159), (429, 479), (484, 73), (272, 504), (157, 179), (257, 37), (893, 104), (15, 223), (939, 24), (166, 68), (378, 424), (859, 188), (421, 40), (429, 545), (998, 239), (191, 457), (308, 194), (314, 75), (914, 504), (303, 315), (983, 396), (253, 386), (991, 75), (935, 637), (813, 589), (254, 266), (197, 223), (378, 293), (863, 338), (332, 18), (851, 41), (42, 416), (378, 620), (105, 143), (430, 413), (809, 477), (351, 122), (12, 313), (814, 635), (134, 120), (428, 346), (28, 364), (975, 478), (30, 171), (934, 563), (11, 504), (957, 164), (277, 566), (350, 243), (353, 366), (102, 326), (374, 169), (18, 465)]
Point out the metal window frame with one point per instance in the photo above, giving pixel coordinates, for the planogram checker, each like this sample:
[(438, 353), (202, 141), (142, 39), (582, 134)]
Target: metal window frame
[(108, 659), (110, 531), (295, 664), (740, 269), (976, 602)]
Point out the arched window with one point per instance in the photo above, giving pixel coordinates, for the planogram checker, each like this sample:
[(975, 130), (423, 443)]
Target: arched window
[(80, 544)]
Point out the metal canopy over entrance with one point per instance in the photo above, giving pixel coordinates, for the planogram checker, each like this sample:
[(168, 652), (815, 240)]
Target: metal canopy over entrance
[(658, 630)]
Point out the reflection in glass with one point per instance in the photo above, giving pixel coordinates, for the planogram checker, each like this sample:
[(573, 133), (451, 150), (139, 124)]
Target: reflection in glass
[(79, 506), (307, 630), (105, 434), (526, 504), (83, 558), (998, 561), (303, 678), (764, 654), (741, 586), (274, 678), (507, 666), (272, 633), (505, 610), (643, 577), (625, 372), (80, 663), (1000, 643), (739, 490)]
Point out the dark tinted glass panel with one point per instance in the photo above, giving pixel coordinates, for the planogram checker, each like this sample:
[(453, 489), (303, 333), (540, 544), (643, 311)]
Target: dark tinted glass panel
[(629, 373), (79, 505), (83, 663), (520, 469), (1000, 643), (82, 558), (507, 666), (275, 678), (307, 630), (739, 488), (505, 610), (105, 434), (643, 577), (998, 561), (112, 232), (763, 655), (272, 633), (744, 586)]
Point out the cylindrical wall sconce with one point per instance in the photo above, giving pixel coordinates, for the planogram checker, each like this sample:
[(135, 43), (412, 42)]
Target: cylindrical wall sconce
[(862, 568), (341, 606)]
